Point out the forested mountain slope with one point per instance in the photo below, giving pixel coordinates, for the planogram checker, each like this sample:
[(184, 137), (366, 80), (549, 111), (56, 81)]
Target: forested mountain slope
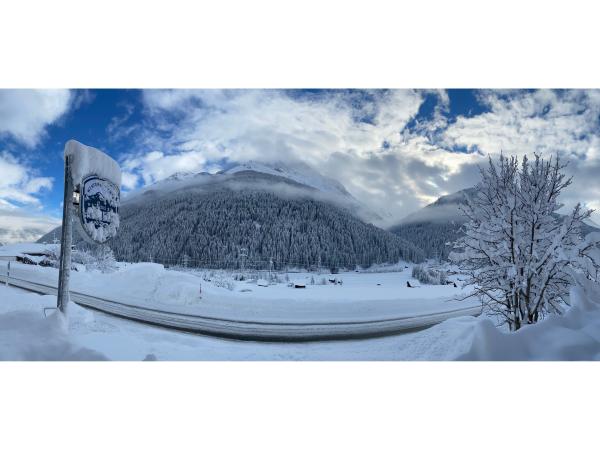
[(438, 225), (208, 220)]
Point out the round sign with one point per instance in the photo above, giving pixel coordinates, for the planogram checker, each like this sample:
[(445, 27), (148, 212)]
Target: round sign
[(99, 208)]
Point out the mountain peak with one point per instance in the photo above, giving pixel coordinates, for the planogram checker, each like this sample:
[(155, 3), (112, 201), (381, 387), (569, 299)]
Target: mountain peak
[(177, 176), (301, 177), (444, 209), (299, 172)]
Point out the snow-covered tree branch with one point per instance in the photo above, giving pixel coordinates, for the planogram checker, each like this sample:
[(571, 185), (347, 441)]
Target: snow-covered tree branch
[(519, 252)]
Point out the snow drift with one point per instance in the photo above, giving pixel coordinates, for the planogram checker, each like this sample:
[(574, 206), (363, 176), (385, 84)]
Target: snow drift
[(574, 335), (28, 336)]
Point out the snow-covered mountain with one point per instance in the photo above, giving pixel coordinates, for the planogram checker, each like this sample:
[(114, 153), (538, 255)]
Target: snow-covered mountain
[(299, 172), (297, 179), (293, 216), (438, 224), (445, 209)]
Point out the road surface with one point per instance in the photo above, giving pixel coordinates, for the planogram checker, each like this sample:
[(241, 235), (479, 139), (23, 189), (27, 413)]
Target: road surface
[(251, 330)]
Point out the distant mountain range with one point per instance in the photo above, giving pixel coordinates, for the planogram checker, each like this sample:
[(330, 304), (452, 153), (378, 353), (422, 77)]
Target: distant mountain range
[(434, 227), (286, 179), (288, 214)]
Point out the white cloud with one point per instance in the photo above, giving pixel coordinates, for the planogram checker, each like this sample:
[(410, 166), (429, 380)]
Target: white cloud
[(19, 218), (546, 122), (157, 166), (34, 185), (360, 138), (16, 183), (25, 113), (191, 129), (129, 180), (21, 226), (543, 121)]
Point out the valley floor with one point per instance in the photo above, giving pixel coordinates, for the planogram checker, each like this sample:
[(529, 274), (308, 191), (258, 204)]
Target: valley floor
[(94, 335), (361, 296), (26, 334)]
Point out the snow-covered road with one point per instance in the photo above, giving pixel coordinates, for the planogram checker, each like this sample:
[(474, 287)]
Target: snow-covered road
[(26, 334), (253, 330)]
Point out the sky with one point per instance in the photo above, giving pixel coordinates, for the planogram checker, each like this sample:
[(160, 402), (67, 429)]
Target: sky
[(394, 150)]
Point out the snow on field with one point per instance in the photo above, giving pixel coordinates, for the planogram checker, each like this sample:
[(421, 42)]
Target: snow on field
[(362, 296), (26, 334), (94, 335)]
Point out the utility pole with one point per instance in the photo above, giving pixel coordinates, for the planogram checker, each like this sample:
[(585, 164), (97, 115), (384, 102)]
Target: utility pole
[(64, 274), (243, 256)]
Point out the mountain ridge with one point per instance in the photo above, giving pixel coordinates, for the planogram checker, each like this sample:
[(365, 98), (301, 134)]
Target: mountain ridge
[(210, 218), (278, 177), (435, 226)]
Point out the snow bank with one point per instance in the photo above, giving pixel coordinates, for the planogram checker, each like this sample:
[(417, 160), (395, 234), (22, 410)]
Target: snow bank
[(573, 336), (29, 336), (361, 297), (88, 161), (147, 281)]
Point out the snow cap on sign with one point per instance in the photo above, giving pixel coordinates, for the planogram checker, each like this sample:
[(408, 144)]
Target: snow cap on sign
[(88, 160)]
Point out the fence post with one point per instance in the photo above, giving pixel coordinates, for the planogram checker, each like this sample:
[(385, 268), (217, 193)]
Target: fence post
[(7, 273)]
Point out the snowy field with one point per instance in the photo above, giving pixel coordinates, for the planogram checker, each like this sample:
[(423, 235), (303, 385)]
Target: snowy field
[(362, 296), (26, 334), (359, 296)]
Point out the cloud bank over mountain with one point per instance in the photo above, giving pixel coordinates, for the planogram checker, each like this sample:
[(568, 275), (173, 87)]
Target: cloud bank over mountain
[(395, 150)]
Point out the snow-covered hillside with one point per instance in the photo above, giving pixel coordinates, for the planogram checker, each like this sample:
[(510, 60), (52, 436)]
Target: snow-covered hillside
[(299, 172), (298, 179), (436, 226), (444, 210), (210, 217)]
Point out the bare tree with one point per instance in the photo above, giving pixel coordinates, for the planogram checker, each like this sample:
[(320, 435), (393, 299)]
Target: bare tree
[(519, 252)]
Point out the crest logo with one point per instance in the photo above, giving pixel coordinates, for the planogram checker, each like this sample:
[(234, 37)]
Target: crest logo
[(99, 208)]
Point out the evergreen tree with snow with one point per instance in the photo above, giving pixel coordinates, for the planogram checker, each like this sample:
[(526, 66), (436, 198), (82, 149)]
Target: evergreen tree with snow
[(519, 253), (102, 259)]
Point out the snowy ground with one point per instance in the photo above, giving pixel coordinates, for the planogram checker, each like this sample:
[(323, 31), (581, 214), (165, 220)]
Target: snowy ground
[(93, 333), (362, 296), (26, 334)]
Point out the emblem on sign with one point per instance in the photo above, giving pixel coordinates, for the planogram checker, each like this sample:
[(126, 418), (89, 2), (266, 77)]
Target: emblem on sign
[(99, 208)]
